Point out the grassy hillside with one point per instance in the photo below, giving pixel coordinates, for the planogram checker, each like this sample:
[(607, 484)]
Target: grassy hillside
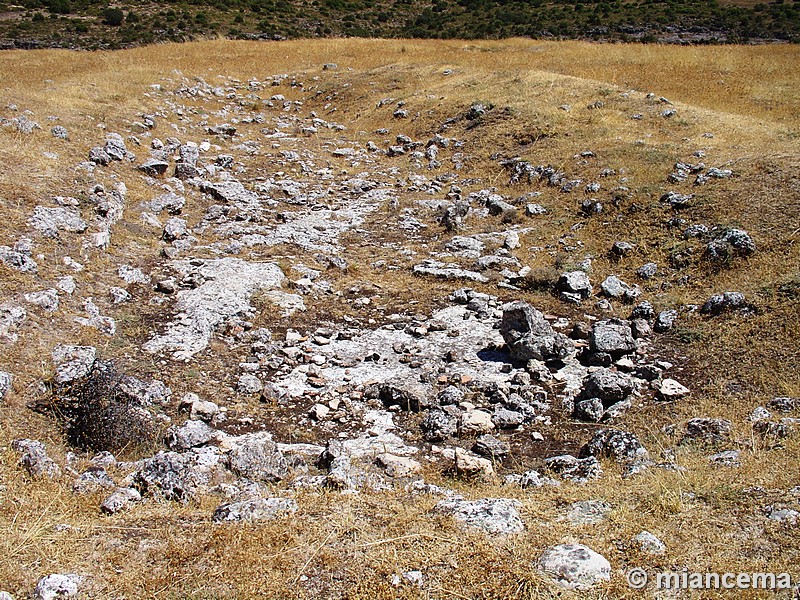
[(549, 102), (100, 24)]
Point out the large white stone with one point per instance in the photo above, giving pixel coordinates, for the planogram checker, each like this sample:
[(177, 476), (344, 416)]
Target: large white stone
[(575, 566)]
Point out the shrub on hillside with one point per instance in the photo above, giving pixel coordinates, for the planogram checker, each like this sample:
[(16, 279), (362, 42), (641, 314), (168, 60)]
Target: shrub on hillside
[(106, 410), (113, 17)]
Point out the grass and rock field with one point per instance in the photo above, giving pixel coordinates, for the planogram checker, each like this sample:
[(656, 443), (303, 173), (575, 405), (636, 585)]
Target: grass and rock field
[(397, 319)]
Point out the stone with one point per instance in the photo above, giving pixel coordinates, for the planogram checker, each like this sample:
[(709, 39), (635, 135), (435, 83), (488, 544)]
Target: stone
[(438, 426), (649, 543), (532, 210), (590, 410), (174, 229), (223, 292), (178, 476), (450, 395), (415, 578), (622, 446), (73, 362), (643, 310), (725, 302), (57, 586), (203, 410), (319, 412), (119, 295), (676, 200), (121, 499), (608, 386), (341, 475), (249, 384), (731, 241), (170, 202), (45, 299), (454, 216), (507, 419), (579, 470), (154, 167), (132, 275), (490, 515), (34, 459), (256, 456), (590, 207), (225, 130), (671, 390), (408, 395), (529, 336), (613, 337), (614, 287), (105, 325), (99, 156), (707, 430), (67, 284), (6, 380), (192, 434), (787, 516), (92, 480), (665, 321), (620, 248), (11, 316), (258, 509), (115, 147), (447, 271), (784, 404), (640, 328), (103, 459), (230, 192), (491, 447), (470, 466), (60, 132), (398, 466), (647, 270), (575, 282), (498, 206), (728, 458), (476, 422), (465, 246), (20, 261), (50, 221), (533, 479), (574, 566)]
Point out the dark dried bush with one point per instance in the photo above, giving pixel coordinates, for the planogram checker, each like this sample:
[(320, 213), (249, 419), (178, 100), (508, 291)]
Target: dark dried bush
[(98, 413)]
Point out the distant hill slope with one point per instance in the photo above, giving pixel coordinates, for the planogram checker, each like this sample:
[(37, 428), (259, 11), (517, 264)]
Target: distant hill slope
[(93, 24)]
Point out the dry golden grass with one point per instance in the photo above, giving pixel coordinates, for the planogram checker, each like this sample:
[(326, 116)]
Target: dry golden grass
[(350, 546)]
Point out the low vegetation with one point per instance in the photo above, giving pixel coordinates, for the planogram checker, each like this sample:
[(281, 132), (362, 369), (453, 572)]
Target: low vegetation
[(87, 23)]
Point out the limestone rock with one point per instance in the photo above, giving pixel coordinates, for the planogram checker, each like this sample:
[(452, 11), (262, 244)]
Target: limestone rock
[(575, 566), (490, 515), (468, 465), (57, 586), (614, 443), (223, 292), (120, 500), (34, 458), (256, 456), (529, 336), (259, 509)]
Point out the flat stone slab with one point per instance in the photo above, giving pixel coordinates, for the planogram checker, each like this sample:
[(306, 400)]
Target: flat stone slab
[(228, 284)]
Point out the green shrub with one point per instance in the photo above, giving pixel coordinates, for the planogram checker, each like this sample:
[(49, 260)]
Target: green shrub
[(113, 17)]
